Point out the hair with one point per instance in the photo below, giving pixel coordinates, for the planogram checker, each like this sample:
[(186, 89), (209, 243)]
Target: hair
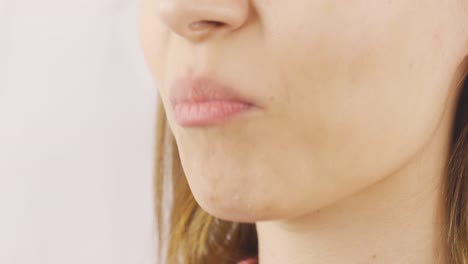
[(189, 235)]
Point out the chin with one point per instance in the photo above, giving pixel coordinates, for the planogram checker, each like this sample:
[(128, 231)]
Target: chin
[(229, 193), (234, 206), (240, 215)]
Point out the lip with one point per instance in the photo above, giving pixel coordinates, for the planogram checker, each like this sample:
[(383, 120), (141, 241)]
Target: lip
[(204, 101)]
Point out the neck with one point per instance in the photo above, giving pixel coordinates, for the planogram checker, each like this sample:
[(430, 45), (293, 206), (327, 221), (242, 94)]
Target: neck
[(397, 220)]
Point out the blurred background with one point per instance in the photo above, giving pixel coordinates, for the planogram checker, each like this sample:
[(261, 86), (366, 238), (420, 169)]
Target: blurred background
[(77, 113)]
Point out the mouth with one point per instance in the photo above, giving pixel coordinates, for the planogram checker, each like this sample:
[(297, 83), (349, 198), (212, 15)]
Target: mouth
[(203, 101)]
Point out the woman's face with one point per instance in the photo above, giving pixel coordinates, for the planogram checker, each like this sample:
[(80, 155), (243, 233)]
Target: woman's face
[(347, 93)]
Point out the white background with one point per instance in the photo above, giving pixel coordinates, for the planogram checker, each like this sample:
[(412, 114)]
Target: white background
[(77, 112)]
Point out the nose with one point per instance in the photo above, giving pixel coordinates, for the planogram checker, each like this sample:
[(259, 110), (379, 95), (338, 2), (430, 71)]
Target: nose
[(196, 20)]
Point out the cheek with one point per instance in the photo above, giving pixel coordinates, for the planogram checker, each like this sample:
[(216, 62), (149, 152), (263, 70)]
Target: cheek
[(153, 40), (380, 72), (362, 99)]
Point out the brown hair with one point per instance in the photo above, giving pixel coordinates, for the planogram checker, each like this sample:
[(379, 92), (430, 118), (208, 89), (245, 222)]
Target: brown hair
[(187, 234)]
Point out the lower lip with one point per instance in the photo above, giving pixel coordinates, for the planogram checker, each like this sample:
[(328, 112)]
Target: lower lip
[(208, 113)]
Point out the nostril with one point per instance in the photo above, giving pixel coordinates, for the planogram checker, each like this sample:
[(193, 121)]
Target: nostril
[(214, 23), (203, 24)]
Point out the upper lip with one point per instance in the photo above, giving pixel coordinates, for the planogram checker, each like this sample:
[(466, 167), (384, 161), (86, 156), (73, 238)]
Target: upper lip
[(203, 89)]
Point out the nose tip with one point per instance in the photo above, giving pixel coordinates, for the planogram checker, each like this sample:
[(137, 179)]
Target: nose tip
[(197, 19)]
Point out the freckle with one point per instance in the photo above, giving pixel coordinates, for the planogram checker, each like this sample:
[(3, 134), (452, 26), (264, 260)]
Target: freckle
[(374, 256)]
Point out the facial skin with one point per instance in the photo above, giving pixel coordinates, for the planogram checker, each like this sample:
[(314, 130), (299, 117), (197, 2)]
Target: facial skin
[(352, 93)]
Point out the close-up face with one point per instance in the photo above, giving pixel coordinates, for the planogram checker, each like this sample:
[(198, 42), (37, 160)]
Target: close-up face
[(330, 96)]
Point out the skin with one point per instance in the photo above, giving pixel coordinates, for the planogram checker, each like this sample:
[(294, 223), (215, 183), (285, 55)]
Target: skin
[(343, 159)]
